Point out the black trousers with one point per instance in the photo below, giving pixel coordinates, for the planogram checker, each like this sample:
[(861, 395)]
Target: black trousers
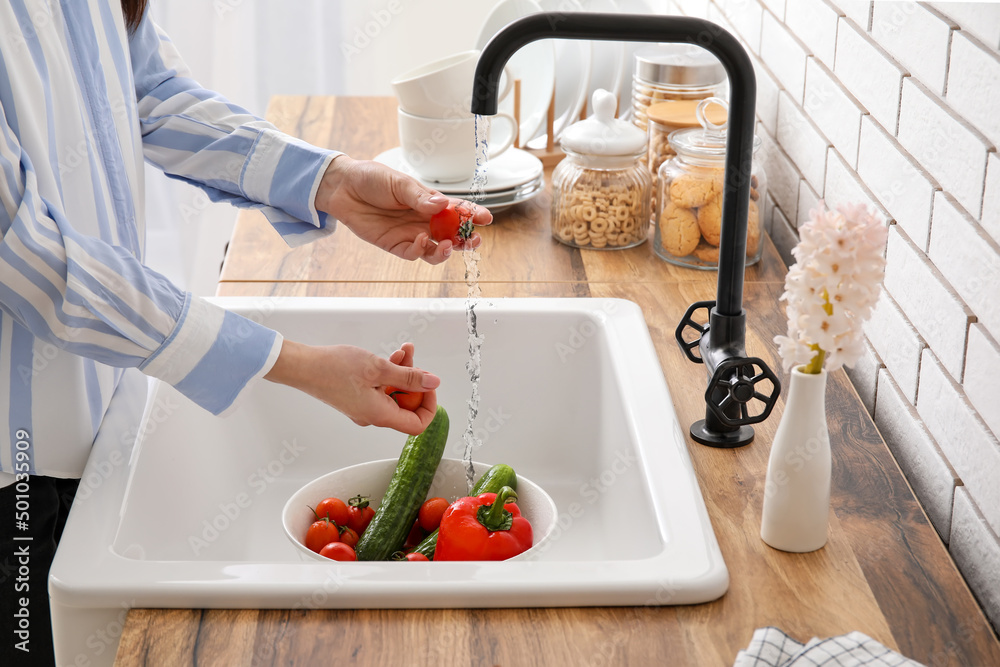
[(32, 516)]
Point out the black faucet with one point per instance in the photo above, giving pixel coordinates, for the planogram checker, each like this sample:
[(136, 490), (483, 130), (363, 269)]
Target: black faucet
[(735, 380)]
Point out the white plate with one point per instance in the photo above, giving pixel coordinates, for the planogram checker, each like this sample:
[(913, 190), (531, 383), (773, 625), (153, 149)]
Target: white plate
[(512, 168), (572, 74), (504, 200), (628, 62), (606, 57), (533, 64)]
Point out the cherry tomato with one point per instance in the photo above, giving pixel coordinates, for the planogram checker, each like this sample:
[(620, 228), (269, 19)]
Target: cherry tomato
[(348, 536), (417, 557), (333, 508), (338, 551), (321, 533), (453, 222), (431, 512), (359, 514), (408, 400), (415, 537)]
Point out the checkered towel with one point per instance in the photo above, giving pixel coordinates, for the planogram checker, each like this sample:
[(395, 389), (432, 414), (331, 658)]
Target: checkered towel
[(772, 647)]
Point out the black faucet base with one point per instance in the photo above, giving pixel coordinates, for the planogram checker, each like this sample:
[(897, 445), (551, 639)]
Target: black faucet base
[(722, 440)]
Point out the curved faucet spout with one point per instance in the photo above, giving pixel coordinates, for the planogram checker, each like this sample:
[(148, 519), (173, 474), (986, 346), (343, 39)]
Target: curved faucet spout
[(655, 28), (722, 343)]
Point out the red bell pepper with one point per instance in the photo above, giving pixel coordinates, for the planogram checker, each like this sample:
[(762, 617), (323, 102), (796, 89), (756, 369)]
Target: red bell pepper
[(483, 527)]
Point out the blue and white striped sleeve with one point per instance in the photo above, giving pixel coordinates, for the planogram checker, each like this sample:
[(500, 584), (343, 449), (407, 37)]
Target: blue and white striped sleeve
[(96, 300), (198, 136)]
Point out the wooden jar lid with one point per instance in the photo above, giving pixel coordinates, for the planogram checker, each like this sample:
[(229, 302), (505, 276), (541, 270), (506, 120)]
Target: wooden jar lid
[(681, 113)]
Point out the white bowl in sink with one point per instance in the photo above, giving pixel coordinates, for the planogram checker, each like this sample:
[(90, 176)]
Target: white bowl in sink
[(372, 478)]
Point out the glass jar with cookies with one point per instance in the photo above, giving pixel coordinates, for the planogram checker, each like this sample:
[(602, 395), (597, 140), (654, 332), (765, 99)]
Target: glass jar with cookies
[(601, 190), (688, 220)]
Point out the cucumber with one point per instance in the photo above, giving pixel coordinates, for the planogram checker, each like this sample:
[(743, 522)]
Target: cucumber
[(407, 490), (492, 481)]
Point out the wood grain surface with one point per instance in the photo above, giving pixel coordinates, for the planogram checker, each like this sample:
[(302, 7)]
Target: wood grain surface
[(884, 570)]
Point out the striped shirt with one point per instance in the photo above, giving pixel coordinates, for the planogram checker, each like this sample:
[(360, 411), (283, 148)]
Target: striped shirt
[(83, 102)]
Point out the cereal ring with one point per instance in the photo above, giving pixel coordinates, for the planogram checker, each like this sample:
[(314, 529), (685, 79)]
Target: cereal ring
[(621, 213), (690, 191), (679, 233), (589, 213), (598, 226), (710, 221), (579, 228), (599, 242), (628, 227), (565, 233)]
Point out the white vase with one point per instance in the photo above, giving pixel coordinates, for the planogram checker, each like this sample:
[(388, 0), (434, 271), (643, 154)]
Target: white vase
[(797, 490)]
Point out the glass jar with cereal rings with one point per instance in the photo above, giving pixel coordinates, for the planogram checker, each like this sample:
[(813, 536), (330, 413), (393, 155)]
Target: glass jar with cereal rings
[(601, 190), (688, 220)]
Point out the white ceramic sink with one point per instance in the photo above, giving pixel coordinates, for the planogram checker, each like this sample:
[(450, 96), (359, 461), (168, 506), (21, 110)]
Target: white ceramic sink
[(189, 513)]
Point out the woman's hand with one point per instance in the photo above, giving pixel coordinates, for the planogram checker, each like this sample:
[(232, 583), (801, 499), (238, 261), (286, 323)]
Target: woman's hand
[(388, 209), (352, 380)]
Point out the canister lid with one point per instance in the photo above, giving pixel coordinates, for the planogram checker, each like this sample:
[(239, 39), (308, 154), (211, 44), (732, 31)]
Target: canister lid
[(708, 140), (602, 133), (683, 113), (678, 65)]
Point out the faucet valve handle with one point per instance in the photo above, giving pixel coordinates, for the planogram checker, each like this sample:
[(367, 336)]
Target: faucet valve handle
[(688, 322), (735, 384)]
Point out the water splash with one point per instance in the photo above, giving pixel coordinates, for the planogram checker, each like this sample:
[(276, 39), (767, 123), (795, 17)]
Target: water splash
[(474, 364)]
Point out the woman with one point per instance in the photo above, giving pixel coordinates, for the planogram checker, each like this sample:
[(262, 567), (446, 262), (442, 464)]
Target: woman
[(88, 89)]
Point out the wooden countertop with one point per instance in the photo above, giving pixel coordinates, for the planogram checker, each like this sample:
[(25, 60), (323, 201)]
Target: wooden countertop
[(884, 570)]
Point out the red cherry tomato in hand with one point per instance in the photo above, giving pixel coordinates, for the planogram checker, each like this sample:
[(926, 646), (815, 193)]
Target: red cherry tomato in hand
[(417, 557), (453, 222), (338, 551), (359, 514), (408, 400), (348, 536), (431, 512), (321, 533), (333, 508)]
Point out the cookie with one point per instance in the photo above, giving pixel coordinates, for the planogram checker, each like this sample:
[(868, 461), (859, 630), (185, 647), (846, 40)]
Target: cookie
[(710, 220), (753, 230), (707, 253), (679, 233), (690, 191)]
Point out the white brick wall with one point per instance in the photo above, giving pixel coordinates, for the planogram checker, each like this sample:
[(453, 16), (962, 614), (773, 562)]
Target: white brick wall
[(903, 100), (896, 180), (783, 54), (815, 23), (805, 146), (974, 85), (916, 37), (869, 73), (933, 478), (947, 146), (833, 109)]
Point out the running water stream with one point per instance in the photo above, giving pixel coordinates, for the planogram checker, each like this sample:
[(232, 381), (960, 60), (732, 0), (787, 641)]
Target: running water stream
[(474, 364)]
